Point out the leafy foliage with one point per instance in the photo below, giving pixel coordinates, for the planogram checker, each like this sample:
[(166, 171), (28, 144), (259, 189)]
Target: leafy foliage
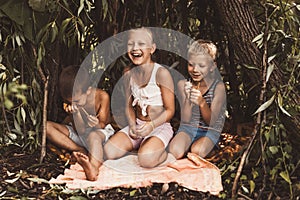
[(48, 35)]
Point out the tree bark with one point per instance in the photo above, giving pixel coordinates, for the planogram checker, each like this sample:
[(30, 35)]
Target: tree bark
[(242, 29)]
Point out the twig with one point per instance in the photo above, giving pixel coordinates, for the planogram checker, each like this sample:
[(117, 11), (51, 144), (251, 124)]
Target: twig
[(43, 150), (244, 196), (243, 159), (258, 124), (85, 112), (44, 128), (263, 91)]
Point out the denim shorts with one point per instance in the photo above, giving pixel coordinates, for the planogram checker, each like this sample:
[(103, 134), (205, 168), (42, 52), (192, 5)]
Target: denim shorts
[(195, 133)]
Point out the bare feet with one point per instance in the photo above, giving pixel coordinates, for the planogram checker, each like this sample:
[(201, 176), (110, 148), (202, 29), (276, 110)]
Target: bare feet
[(73, 159), (90, 170)]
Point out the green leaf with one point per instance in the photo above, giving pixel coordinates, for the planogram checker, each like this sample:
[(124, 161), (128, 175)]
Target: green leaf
[(54, 31), (251, 67), (104, 8), (23, 114), (271, 58), (18, 115), (273, 149), (12, 180), (17, 125), (265, 105), (2, 193), (254, 174), (269, 71), (286, 177), (2, 66), (132, 193), (8, 104), (258, 37), (252, 186), (267, 136), (80, 7), (22, 97), (243, 177), (280, 104), (245, 189), (18, 40), (64, 24)]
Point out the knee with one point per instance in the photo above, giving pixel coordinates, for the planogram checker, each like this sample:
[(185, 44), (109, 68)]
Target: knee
[(147, 160), (176, 151), (150, 158), (202, 152), (110, 151), (95, 137)]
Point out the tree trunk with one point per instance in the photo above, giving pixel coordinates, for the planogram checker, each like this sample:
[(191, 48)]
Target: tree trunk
[(242, 28)]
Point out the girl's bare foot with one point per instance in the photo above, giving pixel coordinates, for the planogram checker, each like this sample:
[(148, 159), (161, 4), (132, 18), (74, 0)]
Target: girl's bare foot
[(91, 171)]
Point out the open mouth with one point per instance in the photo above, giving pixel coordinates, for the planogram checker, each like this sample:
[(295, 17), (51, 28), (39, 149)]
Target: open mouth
[(136, 55), (196, 75)]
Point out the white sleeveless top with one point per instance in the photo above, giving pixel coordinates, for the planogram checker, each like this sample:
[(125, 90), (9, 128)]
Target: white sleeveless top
[(148, 95)]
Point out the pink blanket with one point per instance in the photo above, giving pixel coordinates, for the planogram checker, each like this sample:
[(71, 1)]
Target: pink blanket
[(193, 173)]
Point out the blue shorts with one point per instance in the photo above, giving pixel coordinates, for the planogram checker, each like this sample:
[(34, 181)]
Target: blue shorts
[(195, 133), (82, 139)]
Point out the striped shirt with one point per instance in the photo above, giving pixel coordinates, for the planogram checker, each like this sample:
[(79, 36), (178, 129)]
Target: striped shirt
[(197, 119)]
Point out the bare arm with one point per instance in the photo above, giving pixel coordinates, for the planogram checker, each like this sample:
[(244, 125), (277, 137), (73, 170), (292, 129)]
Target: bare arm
[(185, 104), (165, 82), (129, 111), (217, 103), (103, 113), (78, 122)]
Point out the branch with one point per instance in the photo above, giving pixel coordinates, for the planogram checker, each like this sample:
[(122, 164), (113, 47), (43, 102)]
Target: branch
[(262, 96), (43, 149), (44, 128), (260, 120), (243, 159)]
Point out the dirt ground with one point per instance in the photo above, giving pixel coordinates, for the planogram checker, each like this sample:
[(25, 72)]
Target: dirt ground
[(22, 177)]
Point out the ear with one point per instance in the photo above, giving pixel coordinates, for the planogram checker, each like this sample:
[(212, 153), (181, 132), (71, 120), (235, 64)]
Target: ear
[(89, 90), (153, 48)]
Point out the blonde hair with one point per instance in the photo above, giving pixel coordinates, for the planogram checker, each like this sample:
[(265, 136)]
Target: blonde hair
[(203, 47), (146, 30)]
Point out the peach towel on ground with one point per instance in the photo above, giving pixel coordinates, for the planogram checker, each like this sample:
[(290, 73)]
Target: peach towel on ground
[(193, 173)]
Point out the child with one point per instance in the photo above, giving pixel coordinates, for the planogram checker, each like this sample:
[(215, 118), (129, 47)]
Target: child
[(202, 103), (150, 105), (89, 113)]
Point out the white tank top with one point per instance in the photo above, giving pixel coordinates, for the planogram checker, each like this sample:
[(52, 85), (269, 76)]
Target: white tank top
[(148, 95)]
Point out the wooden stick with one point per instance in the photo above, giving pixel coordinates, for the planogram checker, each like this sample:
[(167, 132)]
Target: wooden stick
[(87, 114)]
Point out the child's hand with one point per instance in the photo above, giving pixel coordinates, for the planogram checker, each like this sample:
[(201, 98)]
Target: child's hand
[(195, 96), (144, 129), (70, 108), (92, 120), (187, 89), (132, 132)]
